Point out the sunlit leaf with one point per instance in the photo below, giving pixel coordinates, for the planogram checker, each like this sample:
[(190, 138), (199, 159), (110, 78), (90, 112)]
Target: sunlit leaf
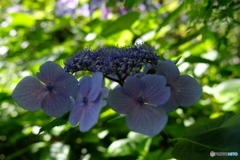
[(56, 122), (23, 19), (120, 24), (122, 147)]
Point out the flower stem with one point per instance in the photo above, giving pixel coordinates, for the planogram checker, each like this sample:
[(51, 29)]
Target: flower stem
[(166, 138), (118, 81)]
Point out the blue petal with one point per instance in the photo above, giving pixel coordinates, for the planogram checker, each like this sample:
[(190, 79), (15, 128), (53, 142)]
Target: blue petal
[(96, 85), (187, 90), (85, 85), (29, 93), (169, 70), (56, 105), (133, 86), (76, 113), (89, 116), (171, 104), (49, 71), (104, 92), (147, 120), (156, 92), (120, 101), (140, 74), (65, 84)]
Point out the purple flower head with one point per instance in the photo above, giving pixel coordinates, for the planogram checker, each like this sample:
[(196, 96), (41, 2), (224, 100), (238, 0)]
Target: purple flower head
[(15, 9), (53, 97), (105, 11), (94, 4), (89, 101), (84, 10), (139, 98), (185, 90), (66, 7), (118, 61)]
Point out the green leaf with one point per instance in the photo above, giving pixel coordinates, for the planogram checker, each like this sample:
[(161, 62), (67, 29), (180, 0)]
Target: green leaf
[(23, 19), (56, 122), (222, 138), (231, 85), (159, 154), (176, 60), (184, 40), (170, 17), (134, 144), (233, 120), (118, 119), (196, 59), (31, 146), (120, 24), (130, 3), (204, 124)]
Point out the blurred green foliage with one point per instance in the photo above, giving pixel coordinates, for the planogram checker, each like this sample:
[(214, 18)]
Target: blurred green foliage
[(204, 33)]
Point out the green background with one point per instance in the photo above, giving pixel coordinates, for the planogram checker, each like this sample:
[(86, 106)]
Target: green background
[(204, 33)]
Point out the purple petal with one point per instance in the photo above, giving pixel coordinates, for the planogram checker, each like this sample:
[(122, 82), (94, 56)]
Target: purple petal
[(29, 93), (104, 92), (140, 74), (49, 71), (89, 116), (76, 113), (96, 85), (187, 90), (120, 101), (133, 86), (156, 92), (169, 70), (56, 105), (95, 2), (65, 84), (85, 85), (171, 104), (147, 120)]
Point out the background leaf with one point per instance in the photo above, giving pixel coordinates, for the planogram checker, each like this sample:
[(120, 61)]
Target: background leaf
[(221, 138), (204, 33), (120, 24)]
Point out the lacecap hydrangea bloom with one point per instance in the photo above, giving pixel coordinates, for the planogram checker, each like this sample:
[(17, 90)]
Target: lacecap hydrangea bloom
[(144, 97), (139, 98), (53, 97), (88, 102)]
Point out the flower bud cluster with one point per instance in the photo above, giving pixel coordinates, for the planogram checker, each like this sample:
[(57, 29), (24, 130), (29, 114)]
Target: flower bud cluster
[(113, 60)]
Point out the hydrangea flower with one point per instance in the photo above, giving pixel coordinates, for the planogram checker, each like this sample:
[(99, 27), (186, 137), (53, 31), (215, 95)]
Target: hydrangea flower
[(53, 97), (185, 90), (66, 7), (89, 101), (113, 61), (138, 99)]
